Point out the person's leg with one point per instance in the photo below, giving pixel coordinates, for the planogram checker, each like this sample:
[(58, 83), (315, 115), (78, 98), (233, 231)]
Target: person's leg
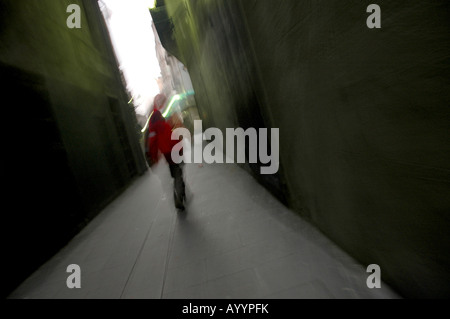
[(178, 180), (172, 165), (176, 172)]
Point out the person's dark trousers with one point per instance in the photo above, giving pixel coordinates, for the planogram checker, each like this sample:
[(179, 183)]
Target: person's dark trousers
[(176, 171)]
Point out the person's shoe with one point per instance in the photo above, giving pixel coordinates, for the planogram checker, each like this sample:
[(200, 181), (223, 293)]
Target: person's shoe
[(179, 201)]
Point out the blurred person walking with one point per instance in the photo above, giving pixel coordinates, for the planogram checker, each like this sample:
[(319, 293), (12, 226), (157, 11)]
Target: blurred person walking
[(159, 142)]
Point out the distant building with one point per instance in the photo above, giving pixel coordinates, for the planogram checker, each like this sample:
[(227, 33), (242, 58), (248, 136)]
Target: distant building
[(175, 77)]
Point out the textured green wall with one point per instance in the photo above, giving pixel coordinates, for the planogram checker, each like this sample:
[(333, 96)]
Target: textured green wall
[(363, 115), (70, 139)]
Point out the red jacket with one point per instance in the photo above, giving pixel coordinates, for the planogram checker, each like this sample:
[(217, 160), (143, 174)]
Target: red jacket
[(159, 137)]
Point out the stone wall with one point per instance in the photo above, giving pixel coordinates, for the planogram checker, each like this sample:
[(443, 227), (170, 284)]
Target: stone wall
[(70, 142), (363, 115)]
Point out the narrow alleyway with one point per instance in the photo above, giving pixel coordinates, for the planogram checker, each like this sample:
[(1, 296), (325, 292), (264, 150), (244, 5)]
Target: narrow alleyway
[(234, 241)]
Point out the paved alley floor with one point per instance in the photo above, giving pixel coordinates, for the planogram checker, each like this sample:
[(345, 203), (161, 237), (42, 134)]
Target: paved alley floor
[(234, 241)]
